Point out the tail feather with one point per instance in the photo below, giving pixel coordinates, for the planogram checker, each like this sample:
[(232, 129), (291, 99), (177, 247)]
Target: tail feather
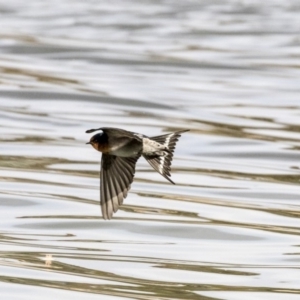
[(162, 163)]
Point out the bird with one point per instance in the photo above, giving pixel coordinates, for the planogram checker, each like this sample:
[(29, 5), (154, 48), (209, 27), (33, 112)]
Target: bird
[(121, 149)]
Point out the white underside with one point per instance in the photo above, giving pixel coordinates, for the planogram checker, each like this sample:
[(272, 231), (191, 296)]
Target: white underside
[(151, 147)]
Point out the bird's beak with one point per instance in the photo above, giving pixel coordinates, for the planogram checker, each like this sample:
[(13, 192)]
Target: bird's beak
[(88, 142)]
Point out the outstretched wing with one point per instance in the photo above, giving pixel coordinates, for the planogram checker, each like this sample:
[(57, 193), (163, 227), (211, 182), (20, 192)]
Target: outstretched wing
[(116, 176), (162, 164)]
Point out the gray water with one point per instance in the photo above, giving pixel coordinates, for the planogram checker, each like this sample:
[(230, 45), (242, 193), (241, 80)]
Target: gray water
[(228, 71)]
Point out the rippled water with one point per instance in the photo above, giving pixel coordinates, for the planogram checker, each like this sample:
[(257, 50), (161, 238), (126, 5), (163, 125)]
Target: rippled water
[(228, 71)]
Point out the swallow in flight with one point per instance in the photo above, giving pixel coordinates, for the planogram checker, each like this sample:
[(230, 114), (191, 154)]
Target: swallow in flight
[(120, 151)]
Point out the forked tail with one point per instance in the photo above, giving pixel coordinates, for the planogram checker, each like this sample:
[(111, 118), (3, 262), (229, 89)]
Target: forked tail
[(162, 163)]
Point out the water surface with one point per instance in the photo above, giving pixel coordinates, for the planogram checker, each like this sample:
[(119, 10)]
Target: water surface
[(229, 72)]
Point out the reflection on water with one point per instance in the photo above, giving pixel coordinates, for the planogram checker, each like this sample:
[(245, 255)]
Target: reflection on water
[(229, 229)]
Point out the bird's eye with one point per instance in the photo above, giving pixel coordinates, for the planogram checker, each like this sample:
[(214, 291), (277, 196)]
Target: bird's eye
[(96, 138)]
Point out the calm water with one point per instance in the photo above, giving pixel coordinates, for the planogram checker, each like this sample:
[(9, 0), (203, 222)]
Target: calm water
[(229, 71)]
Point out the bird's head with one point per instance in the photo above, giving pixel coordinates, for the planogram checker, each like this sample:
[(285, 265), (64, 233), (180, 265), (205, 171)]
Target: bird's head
[(95, 140), (99, 142)]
